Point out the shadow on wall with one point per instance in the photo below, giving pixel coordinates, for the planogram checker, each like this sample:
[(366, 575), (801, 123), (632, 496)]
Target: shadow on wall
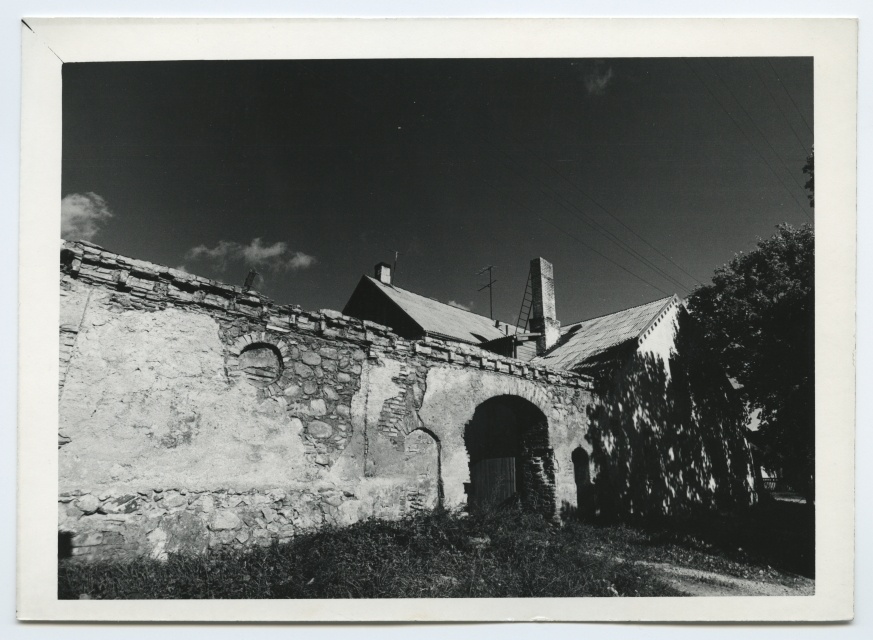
[(668, 444)]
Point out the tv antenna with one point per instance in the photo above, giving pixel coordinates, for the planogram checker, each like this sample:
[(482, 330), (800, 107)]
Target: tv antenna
[(397, 254), (490, 287)]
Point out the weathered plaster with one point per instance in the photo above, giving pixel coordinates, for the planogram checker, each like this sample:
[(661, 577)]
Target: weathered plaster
[(451, 399), (147, 404), (172, 439)]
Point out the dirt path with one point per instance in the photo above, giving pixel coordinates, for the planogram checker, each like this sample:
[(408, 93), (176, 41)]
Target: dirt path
[(696, 582)]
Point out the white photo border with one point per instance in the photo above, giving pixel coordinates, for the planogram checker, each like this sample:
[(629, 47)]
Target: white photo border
[(47, 43)]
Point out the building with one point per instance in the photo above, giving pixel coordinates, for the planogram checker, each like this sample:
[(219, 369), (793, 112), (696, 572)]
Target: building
[(195, 414)]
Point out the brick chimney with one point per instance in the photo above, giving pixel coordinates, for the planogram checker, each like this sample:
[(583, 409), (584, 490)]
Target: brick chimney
[(542, 313), (383, 273)]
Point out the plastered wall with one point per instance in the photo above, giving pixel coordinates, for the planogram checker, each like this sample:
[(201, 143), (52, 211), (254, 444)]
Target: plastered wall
[(197, 415)]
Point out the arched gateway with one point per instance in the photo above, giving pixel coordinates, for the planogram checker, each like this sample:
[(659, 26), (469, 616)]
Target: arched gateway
[(510, 456)]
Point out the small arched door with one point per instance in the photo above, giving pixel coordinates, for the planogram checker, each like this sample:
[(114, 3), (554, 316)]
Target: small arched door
[(585, 499)]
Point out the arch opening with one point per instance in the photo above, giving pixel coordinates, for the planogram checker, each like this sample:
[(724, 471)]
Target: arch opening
[(423, 459), (261, 363), (511, 460), (585, 498)]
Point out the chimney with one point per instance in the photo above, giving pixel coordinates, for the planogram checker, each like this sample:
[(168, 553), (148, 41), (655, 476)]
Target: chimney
[(542, 314), (383, 273)]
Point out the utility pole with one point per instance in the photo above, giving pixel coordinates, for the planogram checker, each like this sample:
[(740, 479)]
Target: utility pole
[(490, 287)]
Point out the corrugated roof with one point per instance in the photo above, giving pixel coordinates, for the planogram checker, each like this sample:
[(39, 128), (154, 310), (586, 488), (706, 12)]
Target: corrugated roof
[(438, 318), (583, 340)]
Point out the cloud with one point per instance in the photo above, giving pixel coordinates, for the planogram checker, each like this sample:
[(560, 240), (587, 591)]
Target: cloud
[(301, 261), (258, 254), (597, 79), (82, 215), (454, 303), (275, 257), (221, 253)]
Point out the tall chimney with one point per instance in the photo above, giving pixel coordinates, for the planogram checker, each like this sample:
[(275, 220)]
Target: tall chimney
[(383, 273), (542, 314)]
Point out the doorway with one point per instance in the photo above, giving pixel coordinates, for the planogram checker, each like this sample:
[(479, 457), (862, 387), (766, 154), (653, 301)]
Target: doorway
[(511, 461)]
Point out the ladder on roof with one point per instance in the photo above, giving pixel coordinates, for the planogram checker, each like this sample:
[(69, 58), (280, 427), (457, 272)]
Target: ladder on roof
[(526, 304)]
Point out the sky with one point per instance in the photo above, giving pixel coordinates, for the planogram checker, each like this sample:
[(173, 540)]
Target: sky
[(636, 178)]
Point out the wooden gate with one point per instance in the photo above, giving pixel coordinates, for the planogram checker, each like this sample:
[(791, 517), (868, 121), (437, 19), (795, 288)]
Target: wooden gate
[(492, 482)]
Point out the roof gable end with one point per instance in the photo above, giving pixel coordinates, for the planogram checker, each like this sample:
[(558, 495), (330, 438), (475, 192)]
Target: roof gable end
[(582, 341)]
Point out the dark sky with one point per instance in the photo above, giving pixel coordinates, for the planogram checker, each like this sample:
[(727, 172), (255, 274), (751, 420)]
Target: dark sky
[(602, 167)]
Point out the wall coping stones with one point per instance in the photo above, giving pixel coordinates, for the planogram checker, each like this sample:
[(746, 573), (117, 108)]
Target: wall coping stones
[(94, 265)]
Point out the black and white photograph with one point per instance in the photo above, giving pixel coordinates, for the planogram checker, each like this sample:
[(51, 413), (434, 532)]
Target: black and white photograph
[(437, 328)]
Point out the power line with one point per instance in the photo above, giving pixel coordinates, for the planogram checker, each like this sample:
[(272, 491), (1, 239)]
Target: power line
[(593, 224), (601, 207), (619, 220), (606, 233), (751, 144), (608, 259), (754, 124), (582, 242), (766, 140), (572, 236), (766, 85), (788, 93)]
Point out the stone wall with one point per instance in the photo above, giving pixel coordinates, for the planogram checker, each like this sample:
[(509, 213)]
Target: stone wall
[(158, 522), (196, 414)]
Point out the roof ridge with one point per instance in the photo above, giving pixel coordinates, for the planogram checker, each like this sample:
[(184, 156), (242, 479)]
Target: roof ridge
[(606, 315), (451, 306)]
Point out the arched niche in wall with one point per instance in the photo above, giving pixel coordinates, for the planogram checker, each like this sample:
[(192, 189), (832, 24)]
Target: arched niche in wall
[(261, 364), (585, 497), (421, 454), (261, 360)]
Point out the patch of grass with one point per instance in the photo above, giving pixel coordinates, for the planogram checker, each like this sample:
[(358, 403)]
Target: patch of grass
[(436, 555), (764, 540)]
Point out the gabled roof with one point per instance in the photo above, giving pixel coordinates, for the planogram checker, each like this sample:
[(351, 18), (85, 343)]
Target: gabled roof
[(584, 340), (440, 319)]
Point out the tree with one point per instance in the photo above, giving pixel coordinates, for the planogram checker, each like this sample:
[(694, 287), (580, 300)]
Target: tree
[(809, 170), (758, 319)]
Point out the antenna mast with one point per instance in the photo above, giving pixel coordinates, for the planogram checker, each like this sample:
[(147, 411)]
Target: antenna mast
[(394, 268), (490, 287)]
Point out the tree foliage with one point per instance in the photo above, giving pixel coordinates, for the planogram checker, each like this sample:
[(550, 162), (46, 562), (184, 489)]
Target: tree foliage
[(758, 318), (809, 170)]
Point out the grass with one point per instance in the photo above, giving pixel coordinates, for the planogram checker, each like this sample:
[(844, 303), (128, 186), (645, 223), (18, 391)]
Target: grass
[(772, 538), (441, 555), (437, 555)]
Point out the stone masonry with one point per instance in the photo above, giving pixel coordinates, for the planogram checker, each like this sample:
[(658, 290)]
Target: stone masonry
[(198, 415), (195, 414)]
